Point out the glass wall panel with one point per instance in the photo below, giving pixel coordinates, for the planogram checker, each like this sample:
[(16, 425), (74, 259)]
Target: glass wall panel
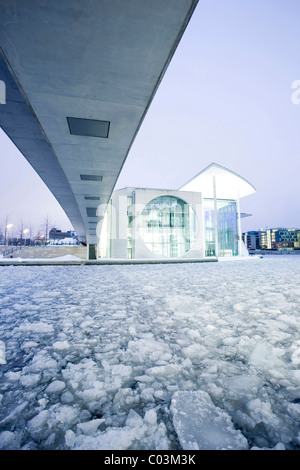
[(168, 226), (209, 224), (227, 228)]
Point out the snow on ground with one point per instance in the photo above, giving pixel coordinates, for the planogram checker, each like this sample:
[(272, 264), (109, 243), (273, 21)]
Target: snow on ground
[(179, 356), (58, 258)]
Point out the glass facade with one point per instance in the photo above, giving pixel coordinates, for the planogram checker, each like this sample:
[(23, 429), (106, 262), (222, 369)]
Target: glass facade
[(168, 226), (227, 231), (209, 226), (130, 235), (227, 228)]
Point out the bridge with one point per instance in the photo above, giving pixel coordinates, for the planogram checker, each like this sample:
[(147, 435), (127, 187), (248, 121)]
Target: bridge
[(79, 78)]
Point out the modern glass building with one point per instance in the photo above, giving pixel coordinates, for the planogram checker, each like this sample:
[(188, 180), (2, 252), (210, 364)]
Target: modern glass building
[(200, 219)]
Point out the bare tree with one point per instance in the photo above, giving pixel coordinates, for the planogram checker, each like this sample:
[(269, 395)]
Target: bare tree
[(21, 232), (30, 233), (25, 233), (45, 226), (7, 227)]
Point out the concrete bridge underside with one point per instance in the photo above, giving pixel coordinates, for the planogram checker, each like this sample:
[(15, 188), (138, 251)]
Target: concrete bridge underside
[(79, 79)]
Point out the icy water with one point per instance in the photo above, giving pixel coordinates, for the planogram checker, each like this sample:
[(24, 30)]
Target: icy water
[(125, 357)]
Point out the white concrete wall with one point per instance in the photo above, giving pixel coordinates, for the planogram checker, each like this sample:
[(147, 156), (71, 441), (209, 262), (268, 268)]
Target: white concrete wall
[(119, 220), (117, 227)]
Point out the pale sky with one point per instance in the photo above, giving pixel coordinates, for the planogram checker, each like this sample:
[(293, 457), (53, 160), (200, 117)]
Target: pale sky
[(225, 98)]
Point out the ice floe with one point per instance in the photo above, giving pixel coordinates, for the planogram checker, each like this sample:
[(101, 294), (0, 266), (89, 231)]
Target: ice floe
[(151, 356)]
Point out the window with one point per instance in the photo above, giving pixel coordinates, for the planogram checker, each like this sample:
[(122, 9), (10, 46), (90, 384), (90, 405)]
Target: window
[(227, 228), (168, 226)]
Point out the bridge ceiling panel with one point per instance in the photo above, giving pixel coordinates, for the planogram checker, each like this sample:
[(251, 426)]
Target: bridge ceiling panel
[(80, 77)]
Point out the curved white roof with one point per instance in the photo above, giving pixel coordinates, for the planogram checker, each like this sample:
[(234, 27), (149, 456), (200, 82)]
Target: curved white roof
[(229, 185)]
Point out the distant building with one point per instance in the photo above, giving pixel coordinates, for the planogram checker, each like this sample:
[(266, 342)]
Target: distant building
[(272, 239), (284, 238), (55, 234), (251, 240)]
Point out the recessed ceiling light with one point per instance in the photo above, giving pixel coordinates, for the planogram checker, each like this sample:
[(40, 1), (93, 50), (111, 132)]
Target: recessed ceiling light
[(91, 177), (92, 198), (91, 211), (88, 127)]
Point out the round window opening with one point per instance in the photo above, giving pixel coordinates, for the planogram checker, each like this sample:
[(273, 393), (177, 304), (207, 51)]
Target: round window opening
[(168, 226)]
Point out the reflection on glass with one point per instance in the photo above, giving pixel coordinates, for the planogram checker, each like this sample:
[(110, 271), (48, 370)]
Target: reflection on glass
[(227, 228), (168, 226)]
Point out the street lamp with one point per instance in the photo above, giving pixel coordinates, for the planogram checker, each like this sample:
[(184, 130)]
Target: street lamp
[(7, 228), (25, 231)]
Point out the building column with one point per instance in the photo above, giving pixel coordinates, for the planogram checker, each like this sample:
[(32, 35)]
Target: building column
[(202, 225), (216, 217), (92, 250), (239, 226)]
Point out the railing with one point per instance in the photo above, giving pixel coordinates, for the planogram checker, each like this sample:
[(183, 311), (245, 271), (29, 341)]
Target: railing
[(274, 252), (10, 250)]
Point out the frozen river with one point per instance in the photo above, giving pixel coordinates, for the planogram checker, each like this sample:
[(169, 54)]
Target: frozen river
[(179, 356)]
